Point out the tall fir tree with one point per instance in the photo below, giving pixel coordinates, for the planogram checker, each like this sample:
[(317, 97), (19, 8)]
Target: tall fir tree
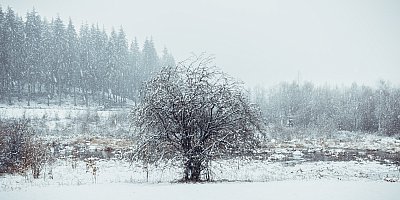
[(135, 72), (150, 60), (59, 58), (84, 60), (167, 60), (33, 39), (3, 69), (122, 63), (46, 49), (72, 60)]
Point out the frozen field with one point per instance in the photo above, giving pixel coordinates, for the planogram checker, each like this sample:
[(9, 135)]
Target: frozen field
[(343, 165), (70, 173), (52, 112), (283, 190)]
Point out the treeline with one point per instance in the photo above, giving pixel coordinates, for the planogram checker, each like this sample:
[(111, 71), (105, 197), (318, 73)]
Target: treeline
[(41, 58), (354, 108)]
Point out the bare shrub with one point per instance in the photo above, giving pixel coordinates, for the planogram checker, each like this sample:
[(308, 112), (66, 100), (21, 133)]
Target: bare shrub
[(19, 151), (91, 167)]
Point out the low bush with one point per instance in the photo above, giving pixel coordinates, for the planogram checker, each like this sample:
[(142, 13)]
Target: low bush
[(19, 150)]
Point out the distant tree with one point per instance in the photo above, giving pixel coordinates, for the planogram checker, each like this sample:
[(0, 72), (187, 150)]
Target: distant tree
[(59, 56), (366, 109), (134, 73), (122, 66), (307, 115), (3, 69), (72, 59), (95, 51), (112, 69), (46, 49), (100, 44), (13, 59), (50, 59), (167, 59), (150, 61), (33, 40), (194, 113), (393, 125), (20, 53), (84, 60)]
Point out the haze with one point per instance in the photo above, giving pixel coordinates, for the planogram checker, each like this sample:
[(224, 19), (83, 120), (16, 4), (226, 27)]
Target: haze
[(259, 42)]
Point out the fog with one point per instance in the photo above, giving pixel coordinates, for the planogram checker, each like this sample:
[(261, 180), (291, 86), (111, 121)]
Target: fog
[(259, 42)]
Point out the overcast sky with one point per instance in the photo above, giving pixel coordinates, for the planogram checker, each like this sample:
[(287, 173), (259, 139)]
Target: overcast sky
[(261, 42)]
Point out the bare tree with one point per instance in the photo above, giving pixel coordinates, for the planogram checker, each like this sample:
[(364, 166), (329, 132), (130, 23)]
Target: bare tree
[(19, 151), (194, 113)]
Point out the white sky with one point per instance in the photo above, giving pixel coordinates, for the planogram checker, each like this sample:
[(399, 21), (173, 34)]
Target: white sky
[(258, 41)]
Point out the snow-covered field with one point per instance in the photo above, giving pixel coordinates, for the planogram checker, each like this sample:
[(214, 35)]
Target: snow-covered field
[(340, 166), (283, 190), (51, 112), (70, 173)]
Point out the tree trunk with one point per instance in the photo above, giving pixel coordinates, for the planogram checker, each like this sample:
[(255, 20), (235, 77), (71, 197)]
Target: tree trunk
[(192, 170), (29, 94), (20, 90), (59, 94), (48, 90), (86, 97), (9, 93), (103, 97), (74, 96)]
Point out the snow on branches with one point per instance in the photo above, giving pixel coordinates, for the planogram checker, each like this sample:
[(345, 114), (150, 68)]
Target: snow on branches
[(194, 113)]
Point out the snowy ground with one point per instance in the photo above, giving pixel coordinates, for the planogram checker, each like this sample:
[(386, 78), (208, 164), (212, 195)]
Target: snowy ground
[(70, 173), (283, 190), (53, 112), (342, 165)]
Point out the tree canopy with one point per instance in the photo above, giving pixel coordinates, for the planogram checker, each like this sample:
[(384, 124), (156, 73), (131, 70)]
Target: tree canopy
[(193, 112)]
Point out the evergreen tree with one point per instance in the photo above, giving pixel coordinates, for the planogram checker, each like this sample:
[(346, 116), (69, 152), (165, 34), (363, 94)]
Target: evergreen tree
[(100, 45), (32, 47), (84, 61), (167, 60), (122, 65), (14, 65), (112, 70), (3, 69), (59, 58), (50, 59), (72, 55), (134, 84), (46, 49), (150, 60)]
